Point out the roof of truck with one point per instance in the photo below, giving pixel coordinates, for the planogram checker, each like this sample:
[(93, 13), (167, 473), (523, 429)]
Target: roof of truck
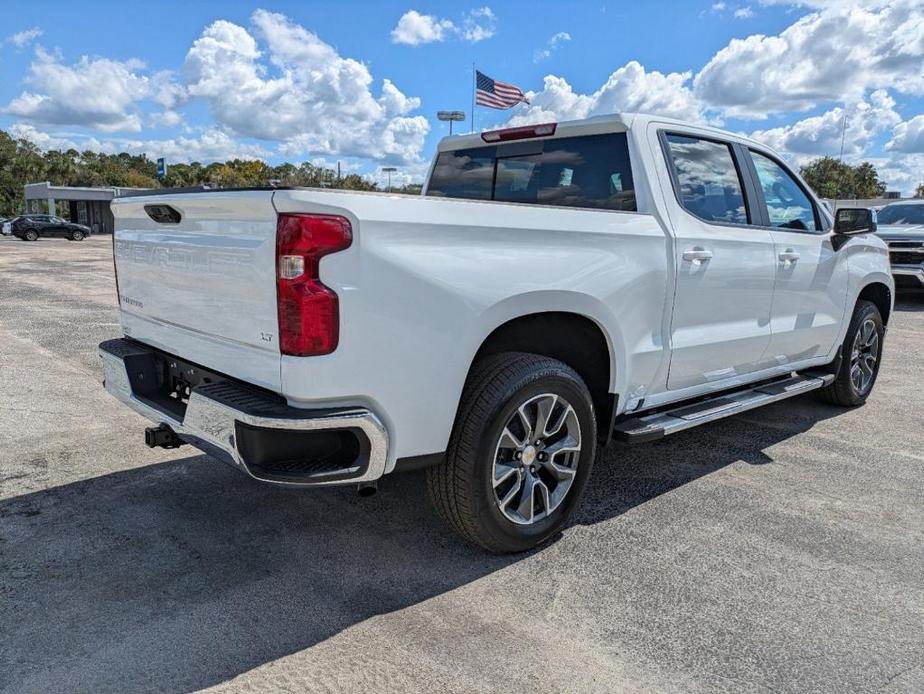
[(614, 122)]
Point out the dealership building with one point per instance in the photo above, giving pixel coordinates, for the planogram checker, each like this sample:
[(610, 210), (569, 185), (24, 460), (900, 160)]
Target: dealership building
[(89, 206)]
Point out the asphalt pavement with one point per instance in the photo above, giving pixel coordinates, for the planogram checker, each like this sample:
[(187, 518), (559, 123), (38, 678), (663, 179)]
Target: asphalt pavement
[(778, 550)]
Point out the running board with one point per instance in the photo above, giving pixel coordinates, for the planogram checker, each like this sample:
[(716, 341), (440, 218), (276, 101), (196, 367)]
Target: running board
[(685, 416)]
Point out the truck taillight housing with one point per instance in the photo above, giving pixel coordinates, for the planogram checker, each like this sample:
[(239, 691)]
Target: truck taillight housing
[(309, 312)]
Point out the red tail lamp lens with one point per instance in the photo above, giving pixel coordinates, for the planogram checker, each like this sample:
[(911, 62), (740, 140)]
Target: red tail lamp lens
[(309, 312)]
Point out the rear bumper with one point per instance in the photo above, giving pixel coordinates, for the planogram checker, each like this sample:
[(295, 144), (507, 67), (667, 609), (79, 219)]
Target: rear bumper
[(250, 429)]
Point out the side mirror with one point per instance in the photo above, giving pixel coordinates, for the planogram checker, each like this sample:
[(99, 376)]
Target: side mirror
[(854, 220)]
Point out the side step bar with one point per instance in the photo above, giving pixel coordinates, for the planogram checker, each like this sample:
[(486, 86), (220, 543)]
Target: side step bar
[(685, 416)]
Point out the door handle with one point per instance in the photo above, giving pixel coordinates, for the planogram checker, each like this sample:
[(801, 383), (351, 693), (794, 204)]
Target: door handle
[(697, 255), (789, 256)]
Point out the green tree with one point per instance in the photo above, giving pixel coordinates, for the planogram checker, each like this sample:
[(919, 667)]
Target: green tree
[(830, 178), (21, 162)]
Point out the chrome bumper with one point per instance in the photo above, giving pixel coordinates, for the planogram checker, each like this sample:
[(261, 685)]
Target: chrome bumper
[(214, 410)]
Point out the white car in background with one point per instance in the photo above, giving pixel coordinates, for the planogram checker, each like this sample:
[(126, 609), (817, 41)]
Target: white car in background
[(901, 226), (6, 228)]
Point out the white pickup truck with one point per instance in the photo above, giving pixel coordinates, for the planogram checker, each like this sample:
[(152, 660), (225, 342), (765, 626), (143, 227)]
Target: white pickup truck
[(553, 287)]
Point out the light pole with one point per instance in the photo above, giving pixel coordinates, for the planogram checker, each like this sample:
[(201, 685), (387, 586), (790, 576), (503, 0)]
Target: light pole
[(389, 170), (450, 116)]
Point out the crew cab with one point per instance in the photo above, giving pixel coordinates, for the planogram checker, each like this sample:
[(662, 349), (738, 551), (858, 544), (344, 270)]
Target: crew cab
[(553, 287)]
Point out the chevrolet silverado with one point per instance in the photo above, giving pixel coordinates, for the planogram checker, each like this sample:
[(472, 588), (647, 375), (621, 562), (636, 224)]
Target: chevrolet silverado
[(553, 287)]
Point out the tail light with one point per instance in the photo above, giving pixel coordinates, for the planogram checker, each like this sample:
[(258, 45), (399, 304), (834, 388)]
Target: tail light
[(309, 312)]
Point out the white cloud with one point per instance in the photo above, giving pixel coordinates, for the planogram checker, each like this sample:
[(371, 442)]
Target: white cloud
[(744, 13), (22, 39), (301, 93), (831, 55), (210, 145), (908, 137), (94, 92), (415, 28), (44, 141), (478, 24), (902, 173), (551, 46), (630, 88), (718, 6), (820, 136)]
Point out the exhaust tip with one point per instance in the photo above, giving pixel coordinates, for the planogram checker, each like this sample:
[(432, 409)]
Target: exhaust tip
[(367, 489)]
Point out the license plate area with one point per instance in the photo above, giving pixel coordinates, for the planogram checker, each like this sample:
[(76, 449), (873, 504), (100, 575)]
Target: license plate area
[(165, 382)]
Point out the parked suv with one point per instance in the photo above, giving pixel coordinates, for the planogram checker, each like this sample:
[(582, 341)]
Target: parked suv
[(31, 227)]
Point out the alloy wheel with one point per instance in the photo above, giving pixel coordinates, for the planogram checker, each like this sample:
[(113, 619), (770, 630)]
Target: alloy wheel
[(863, 356), (536, 457)]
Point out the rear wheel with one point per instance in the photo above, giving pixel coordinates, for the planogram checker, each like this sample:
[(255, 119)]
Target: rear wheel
[(860, 358), (31, 235), (76, 235), (520, 454)]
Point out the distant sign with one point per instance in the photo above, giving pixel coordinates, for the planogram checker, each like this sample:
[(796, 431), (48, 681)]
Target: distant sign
[(161, 168)]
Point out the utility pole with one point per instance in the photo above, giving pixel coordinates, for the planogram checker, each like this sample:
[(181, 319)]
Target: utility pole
[(840, 157)]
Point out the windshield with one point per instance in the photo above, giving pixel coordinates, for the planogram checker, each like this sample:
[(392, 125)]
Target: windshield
[(588, 171), (902, 214)]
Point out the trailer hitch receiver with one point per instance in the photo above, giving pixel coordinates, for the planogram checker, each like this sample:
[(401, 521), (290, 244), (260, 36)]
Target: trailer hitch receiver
[(162, 436)]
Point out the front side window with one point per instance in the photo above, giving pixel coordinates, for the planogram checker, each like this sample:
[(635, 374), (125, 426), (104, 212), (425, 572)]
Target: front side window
[(709, 185), (788, 205), (590, 171)]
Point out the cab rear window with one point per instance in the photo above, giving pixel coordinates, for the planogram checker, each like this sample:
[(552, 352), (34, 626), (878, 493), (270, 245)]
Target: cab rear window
[(591, 171)]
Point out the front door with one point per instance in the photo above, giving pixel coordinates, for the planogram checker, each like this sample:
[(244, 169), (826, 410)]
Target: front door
[(811, 277), (720, 326)]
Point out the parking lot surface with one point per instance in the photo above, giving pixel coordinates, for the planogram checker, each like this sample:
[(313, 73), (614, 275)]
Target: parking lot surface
[(779, 550)]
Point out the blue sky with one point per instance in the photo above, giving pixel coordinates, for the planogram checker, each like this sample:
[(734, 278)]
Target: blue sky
[(361, 82)]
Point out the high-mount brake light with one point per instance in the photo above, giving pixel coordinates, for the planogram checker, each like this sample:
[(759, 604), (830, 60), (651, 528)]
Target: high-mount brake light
[(309, 312), (527, 131)]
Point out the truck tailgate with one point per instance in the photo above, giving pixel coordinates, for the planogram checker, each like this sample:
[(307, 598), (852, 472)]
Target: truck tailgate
[(203, 288)]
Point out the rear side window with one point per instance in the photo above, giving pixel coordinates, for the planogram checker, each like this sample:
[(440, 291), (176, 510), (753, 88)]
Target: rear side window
[(591, 171), (788, 205), (708, 182)]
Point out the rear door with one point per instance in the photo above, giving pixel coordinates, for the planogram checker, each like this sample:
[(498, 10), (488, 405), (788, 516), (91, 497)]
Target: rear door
[(42, 224), (720, 327), (810, 290), (203, 288), (57, 226)]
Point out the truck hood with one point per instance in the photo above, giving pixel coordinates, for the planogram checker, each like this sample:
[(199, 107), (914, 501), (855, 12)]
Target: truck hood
[(901, 232)]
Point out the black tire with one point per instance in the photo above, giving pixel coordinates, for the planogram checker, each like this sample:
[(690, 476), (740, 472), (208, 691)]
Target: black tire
[(844, 391), (462, 489), (30, 235), (76, 235)]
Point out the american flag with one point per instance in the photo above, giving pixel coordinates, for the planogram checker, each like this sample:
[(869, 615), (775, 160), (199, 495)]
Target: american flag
[(494, 94)]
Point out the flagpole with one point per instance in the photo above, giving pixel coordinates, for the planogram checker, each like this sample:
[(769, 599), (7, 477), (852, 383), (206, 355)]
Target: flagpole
[(474, 83)]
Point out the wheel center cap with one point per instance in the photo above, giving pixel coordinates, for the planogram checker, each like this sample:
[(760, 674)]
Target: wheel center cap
[(529, 455)]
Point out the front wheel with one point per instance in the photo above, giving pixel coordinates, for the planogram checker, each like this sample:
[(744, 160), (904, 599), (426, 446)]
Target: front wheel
[(860, 358), (520, 453), (31, 235), (76, 235)]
